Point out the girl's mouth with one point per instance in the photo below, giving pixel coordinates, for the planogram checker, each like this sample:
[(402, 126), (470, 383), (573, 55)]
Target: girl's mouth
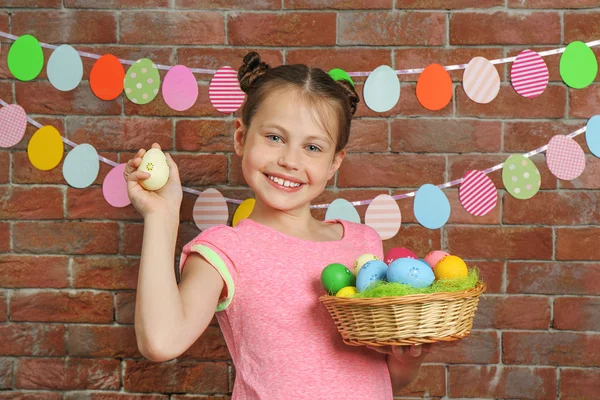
[(283, 184)]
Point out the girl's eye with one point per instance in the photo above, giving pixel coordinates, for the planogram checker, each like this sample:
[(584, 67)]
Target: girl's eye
[(313, 148), (273, 138)]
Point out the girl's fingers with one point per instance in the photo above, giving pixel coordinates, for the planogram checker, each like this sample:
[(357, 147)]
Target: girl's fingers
[(137, 176), (156, 146)]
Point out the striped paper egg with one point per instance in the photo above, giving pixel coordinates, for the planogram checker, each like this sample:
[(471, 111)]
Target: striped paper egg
[(477, 193), (565, 158), (210, 209), (383, 215), (224, 91), (529, 74), (481, 81)]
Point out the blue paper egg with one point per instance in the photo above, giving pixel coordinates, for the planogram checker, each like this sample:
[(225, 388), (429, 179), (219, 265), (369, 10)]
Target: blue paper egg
[(370, 273), (408, 271), (432, 208)]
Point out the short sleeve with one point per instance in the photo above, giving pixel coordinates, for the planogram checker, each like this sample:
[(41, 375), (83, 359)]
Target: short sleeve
[(212, 244)]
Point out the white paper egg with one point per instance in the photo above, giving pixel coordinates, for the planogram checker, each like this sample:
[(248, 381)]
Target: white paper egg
[(224, 91), (529, 74), (342, 209), (565, 158), (155, 163), (477, 193), (81, 166), (210, 209), (142, 81), (521, 177), (383, 215), (481, 80), (382, 89), (65, 68), (431, 207)]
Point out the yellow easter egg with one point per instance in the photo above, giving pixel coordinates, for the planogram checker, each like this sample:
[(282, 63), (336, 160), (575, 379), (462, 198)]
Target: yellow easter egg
[(450, 267), (362, 260), (347, 291), (155, 163), (243, 211)]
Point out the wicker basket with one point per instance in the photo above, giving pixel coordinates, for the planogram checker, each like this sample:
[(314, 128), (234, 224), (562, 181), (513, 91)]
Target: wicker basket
[(405, 320)]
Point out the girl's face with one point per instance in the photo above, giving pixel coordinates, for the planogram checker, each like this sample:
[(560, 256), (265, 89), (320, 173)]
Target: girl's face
[(287, 155)]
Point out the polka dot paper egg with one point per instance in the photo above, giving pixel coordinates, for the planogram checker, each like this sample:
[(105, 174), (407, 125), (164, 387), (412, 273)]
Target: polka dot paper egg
[(142, 82), (521, 177)]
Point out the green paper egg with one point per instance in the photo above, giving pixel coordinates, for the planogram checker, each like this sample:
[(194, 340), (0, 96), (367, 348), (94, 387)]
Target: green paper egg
[(338, 74), (578, 65), (336, 276), (521, 177), (142, 82), (25, 58)]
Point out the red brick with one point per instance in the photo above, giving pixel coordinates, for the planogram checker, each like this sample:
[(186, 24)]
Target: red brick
[(513, 312), (361, 170), (102, 341), (500, 242), (69, 26), (63, 306), (118, 396), (32, 340), (509, 104), (589, 179), (553, 278), (33, 3), (458, 214), (444, 136), (481, 347), (193, 27), (67, 374), (105, 273), (181, 376), (549, 348), (502, 382), (4, 237), (490, 272), (66, 237), (289, 29), (577, 243), (524, 136), (6, 374), (131, 243), (3, 308), (34, 271), (368, 136), (553, 208), (552, 3), (24, 172), (119, 4), (27, 395), (203, 135), (581, 25), (202, 169), (338, 5), (430, 381), (91, 204), (392, 28), (579, 384), (500, 27), (4, 167), (18, 203), (125, 307), (229, 4), (576, 313), (209, 346), (447, 4), (584, 103)]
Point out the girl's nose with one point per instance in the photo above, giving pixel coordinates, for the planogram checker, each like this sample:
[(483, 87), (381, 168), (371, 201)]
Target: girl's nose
[(288, 158)]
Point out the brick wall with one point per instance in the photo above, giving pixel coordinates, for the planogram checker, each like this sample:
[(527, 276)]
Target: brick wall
[(69, 260)]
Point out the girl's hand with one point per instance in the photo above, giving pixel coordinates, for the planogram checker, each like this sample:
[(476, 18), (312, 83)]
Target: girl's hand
[(406, 354), (165, 200)]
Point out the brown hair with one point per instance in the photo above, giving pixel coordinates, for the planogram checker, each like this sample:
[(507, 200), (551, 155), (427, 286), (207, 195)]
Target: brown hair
[(257, 79)]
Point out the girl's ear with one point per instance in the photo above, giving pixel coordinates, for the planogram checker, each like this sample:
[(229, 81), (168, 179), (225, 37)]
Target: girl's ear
[(336, 163), (238, 137)]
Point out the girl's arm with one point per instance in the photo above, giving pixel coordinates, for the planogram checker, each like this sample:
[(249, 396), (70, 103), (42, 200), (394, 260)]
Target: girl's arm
[(401, 375)]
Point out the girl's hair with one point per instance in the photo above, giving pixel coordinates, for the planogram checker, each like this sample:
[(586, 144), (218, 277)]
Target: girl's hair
[(257, 79)]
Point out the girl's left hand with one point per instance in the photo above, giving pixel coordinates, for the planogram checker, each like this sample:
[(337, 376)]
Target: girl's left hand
[(405, 354)]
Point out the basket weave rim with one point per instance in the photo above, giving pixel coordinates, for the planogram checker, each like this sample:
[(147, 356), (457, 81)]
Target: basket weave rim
[(408, 299)]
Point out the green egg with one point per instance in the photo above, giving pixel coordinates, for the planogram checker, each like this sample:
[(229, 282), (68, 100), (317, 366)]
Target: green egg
[(578, 65), (336, 276), (521, 177)]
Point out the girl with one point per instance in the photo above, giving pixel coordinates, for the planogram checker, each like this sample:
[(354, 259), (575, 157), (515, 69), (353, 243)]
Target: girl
[(262, 278)]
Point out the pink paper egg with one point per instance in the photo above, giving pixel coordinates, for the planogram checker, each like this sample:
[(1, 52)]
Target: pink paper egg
[(481, 80), (180, 89), (477, 193), (224, 91), (114, 187), (13, 123), (383, 215), (529, 74), (434, 257), (210, 209), (398, 252), (565, 158)]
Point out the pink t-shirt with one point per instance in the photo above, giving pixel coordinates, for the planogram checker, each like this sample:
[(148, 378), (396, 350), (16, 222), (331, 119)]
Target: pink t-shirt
[(283, 341)]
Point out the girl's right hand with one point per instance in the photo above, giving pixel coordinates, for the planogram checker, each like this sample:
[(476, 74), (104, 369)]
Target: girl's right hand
[(164, 200)]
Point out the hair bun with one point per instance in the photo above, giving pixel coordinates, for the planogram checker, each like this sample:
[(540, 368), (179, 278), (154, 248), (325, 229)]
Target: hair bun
[(252, 69), (353, 97)]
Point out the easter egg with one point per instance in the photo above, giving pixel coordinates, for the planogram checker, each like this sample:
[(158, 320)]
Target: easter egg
[(451, 267), (180, 89), (477, 193), (155, 163), (335, 277), (45, 149), (106, 77), (65, 68), (224, 91), (434, 87), (114, 187), (243, 211), (210, 209), (372, 272), (408, 271), (481, 80), (383, 215), (578, 65), (565, 158), (342, 209), (434, 257), (381, 90), (142, 81), (25, 58), (398, 252), (360, 261), (81, 166), (347, 291), (431, 207), (13, 124), (529, 74), (521, 177), (592, 134), (337, 74)]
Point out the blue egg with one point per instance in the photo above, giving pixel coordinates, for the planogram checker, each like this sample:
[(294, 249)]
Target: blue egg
[(81, 166), (592, 135), (371, 272), (432, 208), (415, 273)]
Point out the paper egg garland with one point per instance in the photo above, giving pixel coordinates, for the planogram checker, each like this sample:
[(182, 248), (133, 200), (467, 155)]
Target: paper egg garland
[(243, 211), (382, 89), (477, 193), (337, 74), (342, 209), (114, 187), (65, 68), (81, 166), (25, 58), (578, 65), (210, 209), (13, 123), (45, 149), (107, 77), (224, 91), (431, 207), (383, 215), (592, 135), (434, 87), (521, 177), (565, 158), (529, 74), (180, 89), (142, 81), (481, 80)]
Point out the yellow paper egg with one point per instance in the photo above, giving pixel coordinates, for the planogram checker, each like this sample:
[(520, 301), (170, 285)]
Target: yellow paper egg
[(450, 267), (347, 291), (155, 163), (362, 260)]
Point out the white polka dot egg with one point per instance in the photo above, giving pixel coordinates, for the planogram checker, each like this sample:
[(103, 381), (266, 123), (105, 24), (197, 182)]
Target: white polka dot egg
[(142, 82), (521, 177)]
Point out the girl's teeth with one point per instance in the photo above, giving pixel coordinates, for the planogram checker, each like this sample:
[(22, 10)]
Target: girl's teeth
[(283, 182)]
